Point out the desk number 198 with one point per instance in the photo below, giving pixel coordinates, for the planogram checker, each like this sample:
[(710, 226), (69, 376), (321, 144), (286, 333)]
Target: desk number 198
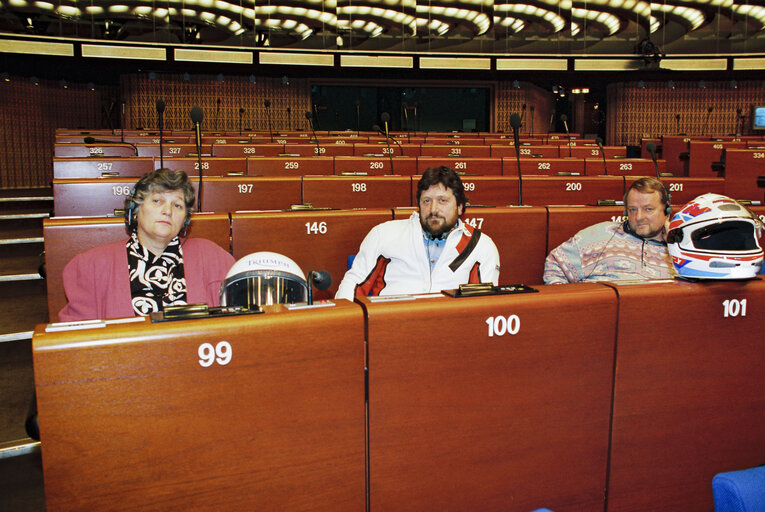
[(499, 325)]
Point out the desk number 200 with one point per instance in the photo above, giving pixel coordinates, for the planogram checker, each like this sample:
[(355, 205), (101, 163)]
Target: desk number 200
[(209, 354), (499, 325)]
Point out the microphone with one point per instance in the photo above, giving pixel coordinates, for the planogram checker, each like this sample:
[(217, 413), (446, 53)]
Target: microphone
[(217, 114), (651, 148), (91, 140), (395, 141), (739, 117), (515, 122), (563, 119), (385, 117), (387, 143), (241, 113), (321, 279), (706, 122), (523, 113), (599, 142), (160, 110), (289, 119), (358, 118), (196, 117), (532, 121), (677, 119), (315, 138), (267, 104)]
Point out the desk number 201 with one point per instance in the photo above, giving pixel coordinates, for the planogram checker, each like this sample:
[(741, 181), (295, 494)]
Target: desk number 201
[(500, 325), (209, 354)]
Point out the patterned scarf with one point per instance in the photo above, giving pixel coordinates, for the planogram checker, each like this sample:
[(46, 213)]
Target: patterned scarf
[(155, 282)]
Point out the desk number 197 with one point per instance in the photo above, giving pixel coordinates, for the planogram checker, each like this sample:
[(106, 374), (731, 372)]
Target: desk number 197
[(499, 325)]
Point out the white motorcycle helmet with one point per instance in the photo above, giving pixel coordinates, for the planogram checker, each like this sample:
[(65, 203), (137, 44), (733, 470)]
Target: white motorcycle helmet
[(261, 279), (714, 237)]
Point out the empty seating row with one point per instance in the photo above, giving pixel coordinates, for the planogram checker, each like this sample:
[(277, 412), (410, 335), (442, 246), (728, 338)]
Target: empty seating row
[(372, 165), (106, 196), (314, 148)]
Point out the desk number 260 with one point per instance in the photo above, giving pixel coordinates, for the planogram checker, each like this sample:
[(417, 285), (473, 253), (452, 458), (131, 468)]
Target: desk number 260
[(209, 354)]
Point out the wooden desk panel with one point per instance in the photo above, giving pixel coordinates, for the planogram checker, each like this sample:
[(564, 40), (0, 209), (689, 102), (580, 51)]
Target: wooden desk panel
[(376, 166), (593, 152), (704, 153), (232, 193), (211, 165), (173, 150), (673, 148), (455, 150), (130, 419), (315, 240), (247, 150), (520, 234), (563, 222), (94, 150), (742, 167), (357, 191), (326, 150), (543, 166), (67, 237), (101, 167), (491, 166), (485, 190), (689, 393), (525, 151), (381, 149), (290, 165), (565, 190), (624, 167), (459, 420)]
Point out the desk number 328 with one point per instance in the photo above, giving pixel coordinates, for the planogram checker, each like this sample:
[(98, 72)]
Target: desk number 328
[(209, 354)]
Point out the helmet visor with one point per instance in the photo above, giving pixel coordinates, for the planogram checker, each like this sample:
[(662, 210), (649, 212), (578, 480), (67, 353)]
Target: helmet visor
[(734, 235), (263, 288)]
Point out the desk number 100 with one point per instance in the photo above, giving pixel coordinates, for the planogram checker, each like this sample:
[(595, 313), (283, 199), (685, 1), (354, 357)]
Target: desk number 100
[(500, 325)]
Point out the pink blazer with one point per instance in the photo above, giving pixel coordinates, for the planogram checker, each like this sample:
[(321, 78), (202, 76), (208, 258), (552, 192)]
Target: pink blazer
[(97, 284)]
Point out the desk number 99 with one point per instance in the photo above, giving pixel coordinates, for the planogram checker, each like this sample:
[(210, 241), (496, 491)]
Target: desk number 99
[(209, 354), (500, 325)]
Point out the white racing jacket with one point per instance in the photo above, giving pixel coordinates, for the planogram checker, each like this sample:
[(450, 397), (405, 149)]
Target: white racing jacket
[(392, 260)]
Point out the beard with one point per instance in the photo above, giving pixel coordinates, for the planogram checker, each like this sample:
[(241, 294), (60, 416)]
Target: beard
[(436, 225)]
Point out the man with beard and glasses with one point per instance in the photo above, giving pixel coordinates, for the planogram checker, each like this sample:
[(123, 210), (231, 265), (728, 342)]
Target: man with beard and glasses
[(432, 250), (633, 250)]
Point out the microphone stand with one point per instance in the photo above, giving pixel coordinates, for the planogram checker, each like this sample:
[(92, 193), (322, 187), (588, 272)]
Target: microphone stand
[(515, 123), (267, 104), (387, 143), (315, 138), (531, 133)]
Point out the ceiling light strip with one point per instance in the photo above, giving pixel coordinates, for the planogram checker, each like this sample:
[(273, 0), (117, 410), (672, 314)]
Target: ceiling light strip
[(36, 48), (297, 59), (223, 57), (698, 64), (532, 64), (376, 61), (123, 52), (608, 64), (454, 63)]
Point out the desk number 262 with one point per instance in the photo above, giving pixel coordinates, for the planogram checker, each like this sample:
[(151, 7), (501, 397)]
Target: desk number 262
[(209, 354)]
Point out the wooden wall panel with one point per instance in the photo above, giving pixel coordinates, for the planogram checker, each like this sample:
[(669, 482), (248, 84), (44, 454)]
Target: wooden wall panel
[(29, 115), (220, 102), (652, 111)]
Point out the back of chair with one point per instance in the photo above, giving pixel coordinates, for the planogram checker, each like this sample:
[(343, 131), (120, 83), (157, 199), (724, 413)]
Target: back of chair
[(740, 491)]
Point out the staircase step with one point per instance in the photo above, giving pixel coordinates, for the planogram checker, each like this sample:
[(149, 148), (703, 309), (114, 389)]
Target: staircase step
[(17, 241), (25, 216), (24, 305)]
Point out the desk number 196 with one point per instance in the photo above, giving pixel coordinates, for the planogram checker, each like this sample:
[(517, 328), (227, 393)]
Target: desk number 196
[(500, 325)]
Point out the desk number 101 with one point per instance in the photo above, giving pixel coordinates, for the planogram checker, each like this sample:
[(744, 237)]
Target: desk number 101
[(500, 325)]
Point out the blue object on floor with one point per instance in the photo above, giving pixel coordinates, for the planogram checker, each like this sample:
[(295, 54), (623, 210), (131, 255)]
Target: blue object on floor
[(740, 491)]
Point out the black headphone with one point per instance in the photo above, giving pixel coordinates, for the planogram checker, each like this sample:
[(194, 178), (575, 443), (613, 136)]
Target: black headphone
[(130, 207)]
